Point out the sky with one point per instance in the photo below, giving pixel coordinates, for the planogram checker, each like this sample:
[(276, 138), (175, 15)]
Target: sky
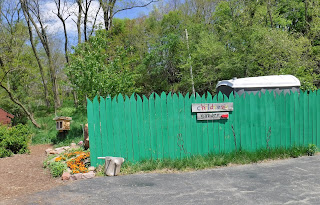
[(54, 25)]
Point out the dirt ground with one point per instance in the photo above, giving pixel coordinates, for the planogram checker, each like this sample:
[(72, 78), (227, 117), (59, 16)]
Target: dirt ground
[(23, 174)]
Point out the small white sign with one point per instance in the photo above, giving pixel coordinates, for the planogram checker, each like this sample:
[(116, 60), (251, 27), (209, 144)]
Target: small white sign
[(212, 107), (213, 116)]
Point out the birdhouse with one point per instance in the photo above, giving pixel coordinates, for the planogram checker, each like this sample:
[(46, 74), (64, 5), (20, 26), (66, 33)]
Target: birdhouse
[(62, 123)]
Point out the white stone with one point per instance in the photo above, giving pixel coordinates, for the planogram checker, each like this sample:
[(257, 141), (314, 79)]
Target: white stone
[(88, 175)]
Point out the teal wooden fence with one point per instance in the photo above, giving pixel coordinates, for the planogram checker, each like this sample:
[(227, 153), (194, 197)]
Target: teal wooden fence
[(164, 127)]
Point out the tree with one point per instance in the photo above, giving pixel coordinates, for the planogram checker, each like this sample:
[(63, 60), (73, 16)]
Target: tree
[(110, 9), (31, 10), (14, 58), (98, 72)]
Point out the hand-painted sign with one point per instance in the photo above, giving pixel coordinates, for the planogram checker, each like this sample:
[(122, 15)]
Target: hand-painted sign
[(213, 116), (212, 107)]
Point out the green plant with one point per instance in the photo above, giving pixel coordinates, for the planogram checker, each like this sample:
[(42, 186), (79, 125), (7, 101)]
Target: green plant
[(57, 168), (296, 152), (5, 153), (48, 133), (311, 150), (100, 170), (48, 160), (15, 139)]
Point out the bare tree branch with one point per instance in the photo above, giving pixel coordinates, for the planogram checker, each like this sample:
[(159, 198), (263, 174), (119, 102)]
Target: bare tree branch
[(94, 22), (132, 7)]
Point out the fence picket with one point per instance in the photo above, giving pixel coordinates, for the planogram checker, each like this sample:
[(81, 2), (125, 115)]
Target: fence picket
[(91, 125), (153, 126), (199, 129), (295, 128), (188, 125), (204, 125), (140, 129), (121, 138), (171, 136), (97, 127), (164, 125), (313, 110), (175, 102), (147, 127), (290, 115), (305, 119), (103, 133), (318, 118), (216, 136), (158, 117), (210, 128), (110, 135), (134, 130), (193, 121), (301, 119)]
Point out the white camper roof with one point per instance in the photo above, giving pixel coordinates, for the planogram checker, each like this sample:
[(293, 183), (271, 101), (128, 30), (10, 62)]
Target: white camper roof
[(262, 81)]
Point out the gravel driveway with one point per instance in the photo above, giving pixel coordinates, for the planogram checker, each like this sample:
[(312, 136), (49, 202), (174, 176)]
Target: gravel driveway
[(292, 181)]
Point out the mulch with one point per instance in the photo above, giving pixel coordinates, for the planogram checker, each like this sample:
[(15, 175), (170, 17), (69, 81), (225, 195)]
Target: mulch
[(23, 174)]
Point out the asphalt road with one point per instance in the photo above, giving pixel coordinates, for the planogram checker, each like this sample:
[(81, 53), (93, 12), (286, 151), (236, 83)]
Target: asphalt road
[(292, 181)]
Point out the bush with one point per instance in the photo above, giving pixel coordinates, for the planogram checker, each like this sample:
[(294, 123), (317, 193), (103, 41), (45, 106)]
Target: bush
[(5, 153), (14, 139), (311, 150), (57, 168)]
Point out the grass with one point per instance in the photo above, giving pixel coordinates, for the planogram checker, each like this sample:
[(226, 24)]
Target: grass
[(212, 160), (48, 134)]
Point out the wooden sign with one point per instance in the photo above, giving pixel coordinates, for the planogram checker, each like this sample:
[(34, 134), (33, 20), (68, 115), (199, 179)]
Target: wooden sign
[(213, 116), (212, 107)]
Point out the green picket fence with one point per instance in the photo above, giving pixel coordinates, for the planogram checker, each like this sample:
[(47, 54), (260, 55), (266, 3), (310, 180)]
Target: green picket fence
[(163, 126)]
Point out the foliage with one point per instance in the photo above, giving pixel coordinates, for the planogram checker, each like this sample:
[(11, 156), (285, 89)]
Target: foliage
[(15, 139), (95, 70), (152, 54), (5, 153), (212, 160), (311, 150), (48, 133), (57, 168)]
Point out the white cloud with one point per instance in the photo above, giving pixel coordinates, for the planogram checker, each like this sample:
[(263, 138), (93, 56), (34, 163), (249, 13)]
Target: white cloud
[(53, 23)]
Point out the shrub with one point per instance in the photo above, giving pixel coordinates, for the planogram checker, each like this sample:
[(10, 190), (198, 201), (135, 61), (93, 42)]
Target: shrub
[(311, 150), (296, 152), (57, 168), (15, 139), (5, 153)]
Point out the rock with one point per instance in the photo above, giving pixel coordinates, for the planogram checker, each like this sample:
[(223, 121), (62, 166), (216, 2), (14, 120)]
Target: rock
[(53, 152), (73, 145), (88, 175), (65, 176), (91, 168), (64, 148), (59, 150), (86, 137), (48, 151), (76, 176)]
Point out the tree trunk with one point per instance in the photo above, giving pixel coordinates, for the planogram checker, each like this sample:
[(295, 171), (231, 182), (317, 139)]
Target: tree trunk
[(79, 2), (53, 77), (30, 116), (269, 13), (306, 16), (191, 74), (65, 41), (46, 93)]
